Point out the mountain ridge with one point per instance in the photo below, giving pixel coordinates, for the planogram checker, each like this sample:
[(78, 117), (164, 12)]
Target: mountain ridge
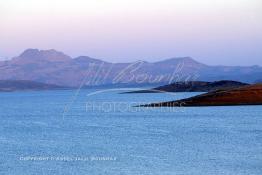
[(51, 66)]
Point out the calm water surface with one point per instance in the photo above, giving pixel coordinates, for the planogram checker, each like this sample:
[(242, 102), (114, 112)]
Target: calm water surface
[(93, 137)]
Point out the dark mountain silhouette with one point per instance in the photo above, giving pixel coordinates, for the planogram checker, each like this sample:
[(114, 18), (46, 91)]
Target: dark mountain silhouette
[(194, 86), (247, 95), (53, 67)]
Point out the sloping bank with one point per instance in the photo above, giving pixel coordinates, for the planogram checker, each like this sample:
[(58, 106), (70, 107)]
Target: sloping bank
[(247, 95)]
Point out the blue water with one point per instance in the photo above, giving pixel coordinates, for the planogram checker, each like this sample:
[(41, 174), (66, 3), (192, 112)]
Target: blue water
[(122, 140)]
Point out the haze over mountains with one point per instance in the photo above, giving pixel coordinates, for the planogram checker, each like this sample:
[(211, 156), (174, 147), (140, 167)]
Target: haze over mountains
[(54, 67)]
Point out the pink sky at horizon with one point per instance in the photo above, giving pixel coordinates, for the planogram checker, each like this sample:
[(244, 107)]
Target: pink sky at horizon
[(227, 32)]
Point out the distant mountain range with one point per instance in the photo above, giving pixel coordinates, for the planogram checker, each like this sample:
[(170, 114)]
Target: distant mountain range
[(53, 67), (26, 85)]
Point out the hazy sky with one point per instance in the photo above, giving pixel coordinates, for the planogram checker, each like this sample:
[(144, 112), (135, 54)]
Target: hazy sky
[(225, 32)]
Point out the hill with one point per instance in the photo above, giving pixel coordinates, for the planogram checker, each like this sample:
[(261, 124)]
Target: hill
[(247, 95), (194, 86)]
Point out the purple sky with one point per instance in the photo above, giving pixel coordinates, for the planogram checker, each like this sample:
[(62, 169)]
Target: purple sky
[(227, 32)]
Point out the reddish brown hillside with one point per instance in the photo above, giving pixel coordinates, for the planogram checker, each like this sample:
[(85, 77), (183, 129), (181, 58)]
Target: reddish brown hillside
[(248, 95)]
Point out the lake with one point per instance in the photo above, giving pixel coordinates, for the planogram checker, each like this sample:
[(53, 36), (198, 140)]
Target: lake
[(101, 132)]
